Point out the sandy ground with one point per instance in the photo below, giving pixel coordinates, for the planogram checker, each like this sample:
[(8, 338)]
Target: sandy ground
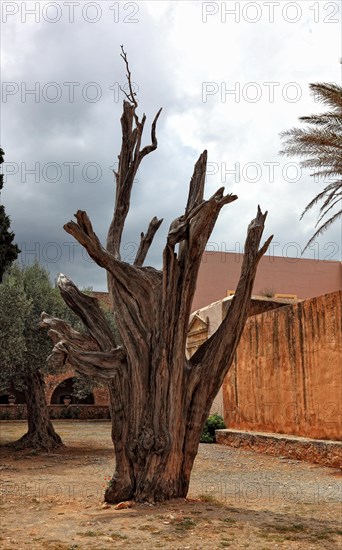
[(237, 499)]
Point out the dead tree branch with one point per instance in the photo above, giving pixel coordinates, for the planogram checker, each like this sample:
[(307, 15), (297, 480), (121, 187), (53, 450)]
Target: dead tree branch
[(146, 241), (159, 400), (132, 95)]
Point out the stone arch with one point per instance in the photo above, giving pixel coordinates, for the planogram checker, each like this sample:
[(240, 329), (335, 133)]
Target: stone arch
[(19, 397), (64, 389)]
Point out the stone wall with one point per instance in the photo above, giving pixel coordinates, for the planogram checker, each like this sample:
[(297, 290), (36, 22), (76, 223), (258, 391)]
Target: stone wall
[(75, 412), (286, 376), (324, 452), (101, 396)]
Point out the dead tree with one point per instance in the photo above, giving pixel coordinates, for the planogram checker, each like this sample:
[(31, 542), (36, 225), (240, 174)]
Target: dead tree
[(159, 399)]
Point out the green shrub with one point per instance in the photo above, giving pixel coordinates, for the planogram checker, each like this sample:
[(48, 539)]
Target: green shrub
[(213, 422), (100, 414), (21, 412), (52, 414), (70, 412), (4, 415)]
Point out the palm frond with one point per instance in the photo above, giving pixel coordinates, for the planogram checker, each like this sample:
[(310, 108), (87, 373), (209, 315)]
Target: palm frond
[(323, 228), (298, 138), (319, 145), (334, 193), (327, 210), (317, 198), (323, 118), (329, 94), (331, 172)]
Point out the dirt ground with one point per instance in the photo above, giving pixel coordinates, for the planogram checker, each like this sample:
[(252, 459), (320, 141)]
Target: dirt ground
[(237, 499)]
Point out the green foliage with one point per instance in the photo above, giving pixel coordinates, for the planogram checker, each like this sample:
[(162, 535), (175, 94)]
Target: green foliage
[(320, 146), (70, 412), (13, 413), (24, 345), (8, 251), (5, 415), (15, 307), (267, 292), (213, 422), (82, 386)]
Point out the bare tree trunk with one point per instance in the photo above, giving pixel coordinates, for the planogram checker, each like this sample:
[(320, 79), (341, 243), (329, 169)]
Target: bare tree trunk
[(41, 433), (159, 399)]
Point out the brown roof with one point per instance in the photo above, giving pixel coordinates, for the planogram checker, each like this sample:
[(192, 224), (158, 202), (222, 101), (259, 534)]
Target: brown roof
[(219, 272)]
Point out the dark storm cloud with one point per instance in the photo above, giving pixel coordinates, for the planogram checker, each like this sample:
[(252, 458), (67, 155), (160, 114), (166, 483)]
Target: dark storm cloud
[(73, 142), (76, 139)]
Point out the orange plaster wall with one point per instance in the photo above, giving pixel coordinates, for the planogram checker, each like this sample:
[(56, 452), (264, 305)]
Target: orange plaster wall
[(287, 374)]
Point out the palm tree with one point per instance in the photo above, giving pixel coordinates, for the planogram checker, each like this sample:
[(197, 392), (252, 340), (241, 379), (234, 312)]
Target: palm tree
[(321, 144)]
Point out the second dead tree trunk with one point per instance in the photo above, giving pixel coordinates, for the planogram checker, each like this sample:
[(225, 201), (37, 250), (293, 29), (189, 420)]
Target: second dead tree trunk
[(159, 399)]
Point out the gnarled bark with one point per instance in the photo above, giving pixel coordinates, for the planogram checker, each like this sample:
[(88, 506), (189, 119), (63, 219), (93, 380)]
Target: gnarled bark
[(41, 434), (159, 399)]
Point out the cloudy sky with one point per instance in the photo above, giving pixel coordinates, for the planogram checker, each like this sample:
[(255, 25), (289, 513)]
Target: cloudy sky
[(230, 77)]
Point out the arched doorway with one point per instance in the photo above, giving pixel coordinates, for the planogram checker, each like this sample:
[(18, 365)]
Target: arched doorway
[(12, 396), (62, 394)]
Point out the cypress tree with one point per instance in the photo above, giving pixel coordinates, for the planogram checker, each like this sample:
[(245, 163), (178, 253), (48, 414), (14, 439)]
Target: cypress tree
[(8, 251)]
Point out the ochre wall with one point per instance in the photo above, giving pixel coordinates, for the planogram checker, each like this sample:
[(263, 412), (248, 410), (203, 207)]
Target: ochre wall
[(213, 314), (287, 375)]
